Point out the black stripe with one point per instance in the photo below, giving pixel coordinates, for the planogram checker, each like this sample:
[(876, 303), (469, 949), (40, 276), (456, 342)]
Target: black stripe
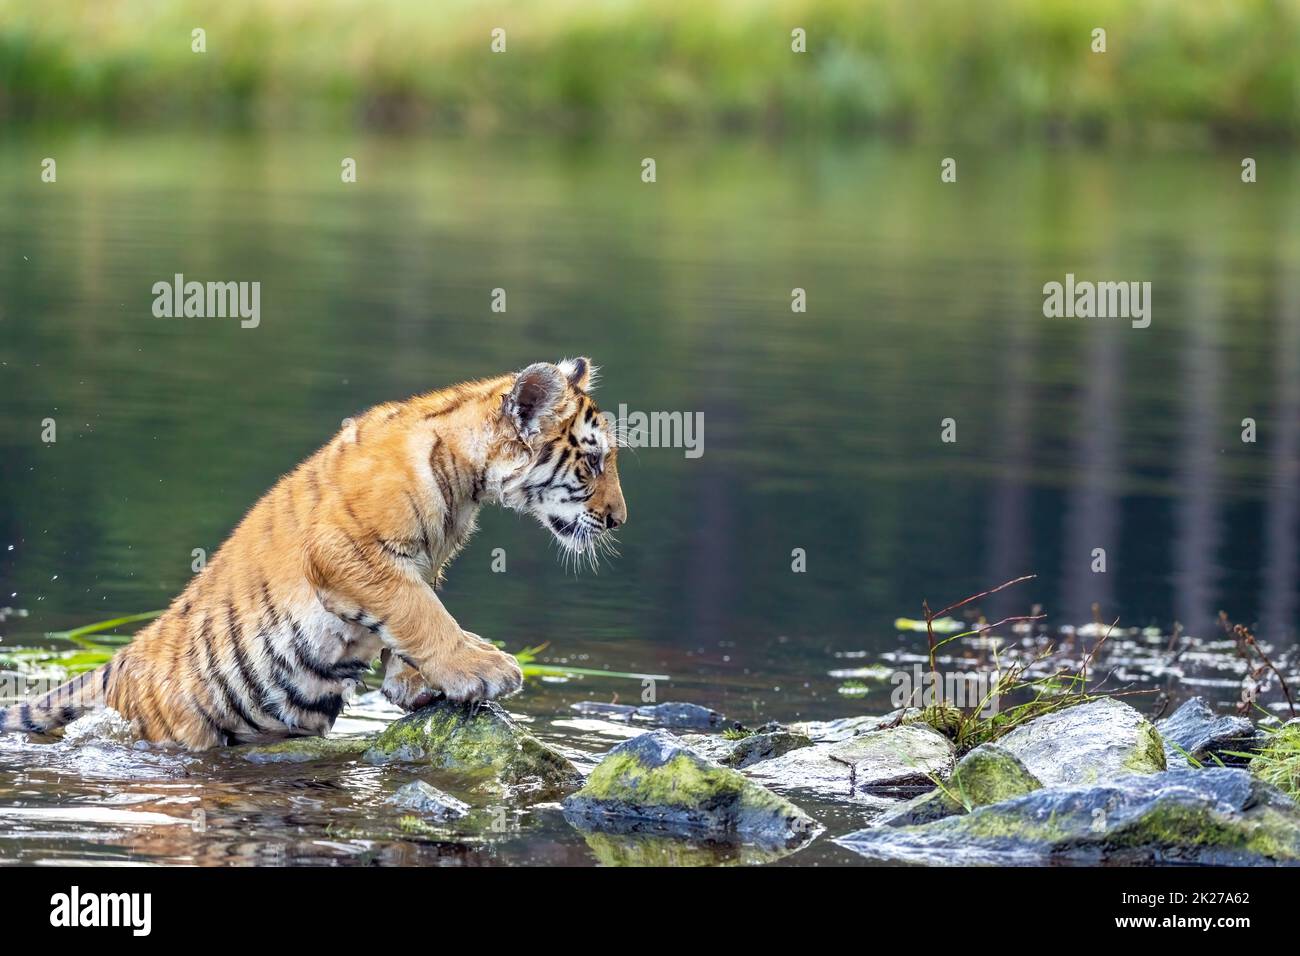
[(301, 653), (196, 674), (269, 606), (387, 548), (349, 669), (547, 451), (563, 527), (25, 716), (564, 456), (215, 675), (103, 683), (212, 723), (242, 663), (328, 705)]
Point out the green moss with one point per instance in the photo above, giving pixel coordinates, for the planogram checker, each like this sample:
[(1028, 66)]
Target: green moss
[(414, 826), (1149, 754), (682, 781), (485, 743), (1265, 832), (304, 749), (655, 779), (988, 775), (991, 825)]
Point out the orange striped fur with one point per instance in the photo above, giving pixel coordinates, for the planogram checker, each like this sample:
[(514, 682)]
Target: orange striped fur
[(336, 565)]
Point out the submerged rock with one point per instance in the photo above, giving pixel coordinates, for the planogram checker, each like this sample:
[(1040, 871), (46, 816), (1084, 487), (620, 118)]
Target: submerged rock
[(654, 783), (429, 801), (1204, 735), (842, 728), (745, 751), (905, 759), (483, 742), (1087, 743), (306, 749), (1218, 816), (680, 715), (685, 716), (988, 774)]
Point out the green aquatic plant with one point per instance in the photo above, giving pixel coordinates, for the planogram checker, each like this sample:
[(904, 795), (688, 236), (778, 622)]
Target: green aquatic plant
[(853, 688), (92, 653), (991, 718), (1278, 761)]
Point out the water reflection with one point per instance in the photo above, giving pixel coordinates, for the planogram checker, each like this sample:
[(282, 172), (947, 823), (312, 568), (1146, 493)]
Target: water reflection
[(821, 427)]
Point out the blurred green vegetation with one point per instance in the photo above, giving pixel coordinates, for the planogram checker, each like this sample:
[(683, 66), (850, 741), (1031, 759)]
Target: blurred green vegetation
[(932, 69)]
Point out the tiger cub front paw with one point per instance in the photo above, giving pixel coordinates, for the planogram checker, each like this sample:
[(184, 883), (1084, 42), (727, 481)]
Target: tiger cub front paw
[(477, 670), (404, 686)]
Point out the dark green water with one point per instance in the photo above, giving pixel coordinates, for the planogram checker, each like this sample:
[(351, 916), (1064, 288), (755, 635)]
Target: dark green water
[(821, 429)]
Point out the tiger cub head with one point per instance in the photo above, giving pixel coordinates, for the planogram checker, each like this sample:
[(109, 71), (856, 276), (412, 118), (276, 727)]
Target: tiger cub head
[(570, 483)]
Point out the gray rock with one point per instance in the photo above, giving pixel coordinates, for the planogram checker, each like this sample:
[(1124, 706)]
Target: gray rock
[(833, 731), (685, 716), (1204, 735), (428, 801), (678, 715), (482, 743), (899, 760), (745, 751), (1087, 743), (1218, 816), (656, 784)]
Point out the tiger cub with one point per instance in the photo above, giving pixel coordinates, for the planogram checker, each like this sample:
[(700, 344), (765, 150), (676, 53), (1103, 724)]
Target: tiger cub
[(337, 564)]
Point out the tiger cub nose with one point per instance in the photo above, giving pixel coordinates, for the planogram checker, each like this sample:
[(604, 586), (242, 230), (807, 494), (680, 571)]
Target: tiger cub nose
[(612, 522)]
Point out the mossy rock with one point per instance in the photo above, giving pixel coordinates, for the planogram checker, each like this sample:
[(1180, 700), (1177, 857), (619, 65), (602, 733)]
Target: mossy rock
[(481, 742), (654, 783), (1216, 817), (1087, 743), (306, 749), (987, 775), (746, 751)]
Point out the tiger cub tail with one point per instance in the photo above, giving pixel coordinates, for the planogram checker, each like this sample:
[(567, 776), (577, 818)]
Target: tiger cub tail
[(61, 706)]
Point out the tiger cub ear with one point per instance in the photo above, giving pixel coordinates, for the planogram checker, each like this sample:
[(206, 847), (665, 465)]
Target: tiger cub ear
[(533, 397), (580, 372)]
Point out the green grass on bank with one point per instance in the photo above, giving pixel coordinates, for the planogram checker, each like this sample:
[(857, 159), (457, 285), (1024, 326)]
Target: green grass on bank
[(936, 69)]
